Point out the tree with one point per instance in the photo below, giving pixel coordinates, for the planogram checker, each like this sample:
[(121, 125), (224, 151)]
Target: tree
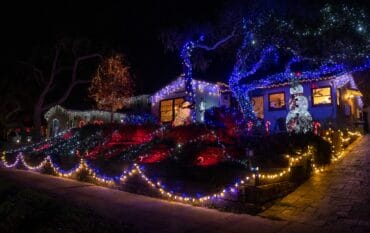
[(112, 84), (195, 40), (275, 43), (10, 106), (66, 58), (276, 47)]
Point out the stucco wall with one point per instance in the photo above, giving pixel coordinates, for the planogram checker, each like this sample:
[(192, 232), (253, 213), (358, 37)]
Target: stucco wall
[(210, 100), (322, 113)]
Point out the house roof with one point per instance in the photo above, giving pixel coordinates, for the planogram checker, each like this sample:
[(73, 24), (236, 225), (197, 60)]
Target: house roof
[(178, 85), (81, 113), (279, 83), (340, 80)]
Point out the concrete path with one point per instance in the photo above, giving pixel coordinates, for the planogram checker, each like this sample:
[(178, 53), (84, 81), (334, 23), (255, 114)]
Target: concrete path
[(145, 214), (335, 201)]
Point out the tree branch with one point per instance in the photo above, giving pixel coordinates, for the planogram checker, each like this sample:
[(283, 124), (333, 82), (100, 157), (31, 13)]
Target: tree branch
[(218, 43), (52, 74), (78, 60), (74, 80), (38, 73), (14, 111)]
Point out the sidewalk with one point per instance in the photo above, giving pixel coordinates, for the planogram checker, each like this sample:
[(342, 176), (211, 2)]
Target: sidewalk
[(145, 214), (337, 200)]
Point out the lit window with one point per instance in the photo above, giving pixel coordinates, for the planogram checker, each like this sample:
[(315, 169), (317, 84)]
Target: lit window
[(277, 101), (170, 108), (321, 95), (257, 103), (166, 111), (177, 105)]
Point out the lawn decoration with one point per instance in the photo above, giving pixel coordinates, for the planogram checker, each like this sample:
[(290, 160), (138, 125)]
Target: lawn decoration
[(299, 120)]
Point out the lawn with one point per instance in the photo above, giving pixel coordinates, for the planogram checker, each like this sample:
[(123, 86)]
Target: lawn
[(26, 210)]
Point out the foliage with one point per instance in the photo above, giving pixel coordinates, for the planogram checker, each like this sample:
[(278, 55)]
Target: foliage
[(111, 84), (269, 150), (229, 119)]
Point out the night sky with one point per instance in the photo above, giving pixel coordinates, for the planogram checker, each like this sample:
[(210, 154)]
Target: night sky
[(129, 27)]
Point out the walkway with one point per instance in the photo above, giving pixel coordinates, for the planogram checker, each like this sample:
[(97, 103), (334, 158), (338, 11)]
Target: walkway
[(335, 201)]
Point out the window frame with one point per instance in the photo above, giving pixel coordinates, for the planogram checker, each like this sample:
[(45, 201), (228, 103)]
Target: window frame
[(277, 109), (172, 106), (313, 97)]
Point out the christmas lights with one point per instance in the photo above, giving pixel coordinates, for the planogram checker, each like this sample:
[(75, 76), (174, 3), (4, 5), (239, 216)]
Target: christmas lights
[(340, 58), (167, 193)]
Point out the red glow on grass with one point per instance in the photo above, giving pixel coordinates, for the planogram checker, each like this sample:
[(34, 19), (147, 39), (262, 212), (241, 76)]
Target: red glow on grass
[(209, 157), (43, 147)]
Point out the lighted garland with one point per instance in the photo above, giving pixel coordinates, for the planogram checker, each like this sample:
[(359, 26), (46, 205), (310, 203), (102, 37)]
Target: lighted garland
[(232, 188), (186, 54), (56, 139)]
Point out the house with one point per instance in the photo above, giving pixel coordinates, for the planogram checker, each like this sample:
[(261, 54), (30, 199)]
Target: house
[(332, 101), (166, 104), (59, 118)]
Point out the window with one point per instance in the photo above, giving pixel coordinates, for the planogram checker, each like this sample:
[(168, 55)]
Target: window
[(177, 105), (166, 110), (277, 101), (321, 95), (169, 109), (257, 103)]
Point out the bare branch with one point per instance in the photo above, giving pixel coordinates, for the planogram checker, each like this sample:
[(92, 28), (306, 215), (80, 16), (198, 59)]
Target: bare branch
[(14, 111), (74, 80), (52, 73), (38, 73), (78, 60), (218, 43)]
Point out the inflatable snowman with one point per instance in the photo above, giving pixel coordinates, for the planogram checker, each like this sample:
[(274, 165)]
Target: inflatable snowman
[(183, 114), (298, 120)]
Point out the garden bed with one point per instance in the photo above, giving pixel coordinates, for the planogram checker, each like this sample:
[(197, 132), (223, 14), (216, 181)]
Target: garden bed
[(190, 163)]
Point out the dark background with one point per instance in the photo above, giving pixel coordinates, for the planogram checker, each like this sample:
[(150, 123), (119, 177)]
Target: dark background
[(130, 27)]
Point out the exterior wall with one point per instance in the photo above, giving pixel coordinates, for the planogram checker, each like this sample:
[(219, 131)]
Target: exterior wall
[(63, 120), (209, 101), (322, 113), (70, 118), (156, 104), (207, 95)]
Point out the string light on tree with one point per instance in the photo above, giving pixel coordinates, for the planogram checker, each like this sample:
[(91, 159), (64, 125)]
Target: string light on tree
[(112, 84)]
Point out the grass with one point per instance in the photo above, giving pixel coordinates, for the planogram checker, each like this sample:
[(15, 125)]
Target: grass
[(26, 210)]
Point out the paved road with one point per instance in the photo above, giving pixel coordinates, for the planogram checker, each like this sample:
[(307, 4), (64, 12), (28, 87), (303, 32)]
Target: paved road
[(336, 201)]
